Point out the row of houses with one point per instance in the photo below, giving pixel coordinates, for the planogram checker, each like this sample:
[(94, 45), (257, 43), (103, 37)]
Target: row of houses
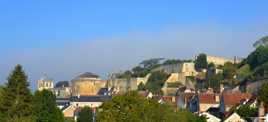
[(216, 107)]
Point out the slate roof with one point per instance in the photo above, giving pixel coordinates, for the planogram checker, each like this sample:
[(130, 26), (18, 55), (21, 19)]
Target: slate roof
[(90, 98), (88, 75), (62, 84)]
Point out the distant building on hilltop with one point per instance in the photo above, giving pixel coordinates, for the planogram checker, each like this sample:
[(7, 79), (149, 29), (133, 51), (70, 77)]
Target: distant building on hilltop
[(45, 83), (87, 84), (221, 60)]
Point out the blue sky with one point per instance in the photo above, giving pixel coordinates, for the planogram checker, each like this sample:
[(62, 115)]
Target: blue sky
[(55, 36)]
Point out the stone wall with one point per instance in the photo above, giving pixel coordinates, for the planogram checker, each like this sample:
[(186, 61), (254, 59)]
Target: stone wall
[(87, 88)]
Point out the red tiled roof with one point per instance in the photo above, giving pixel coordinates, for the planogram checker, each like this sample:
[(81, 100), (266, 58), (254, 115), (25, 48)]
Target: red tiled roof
[(207, 98), (235, 97)]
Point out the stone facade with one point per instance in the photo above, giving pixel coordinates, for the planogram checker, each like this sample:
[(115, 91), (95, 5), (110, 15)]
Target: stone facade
[(122, 85), (87, 85), (45, 83), (220, 60)]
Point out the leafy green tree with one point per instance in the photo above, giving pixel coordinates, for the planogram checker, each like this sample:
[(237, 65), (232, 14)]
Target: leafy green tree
[(45, 107), (201, 62), (134, 108), (229, 70), (243, 72), (246, 111), (258, 57), (141, 87), (126, 74), (16, 97), (214, 81), (85, 115), (139, 71), (151, 63), (172, 61), (156, 81), (261, 71), (262, 94)]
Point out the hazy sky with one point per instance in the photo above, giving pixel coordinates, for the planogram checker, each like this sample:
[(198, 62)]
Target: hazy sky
[(63, 38)]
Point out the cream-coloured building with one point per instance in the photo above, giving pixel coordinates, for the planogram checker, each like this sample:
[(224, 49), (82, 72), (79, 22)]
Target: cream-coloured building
[(187, 69), (221, 60), (45, 83), (87, 84)]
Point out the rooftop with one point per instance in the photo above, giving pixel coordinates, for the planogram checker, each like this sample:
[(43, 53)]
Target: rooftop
[(90, 98)]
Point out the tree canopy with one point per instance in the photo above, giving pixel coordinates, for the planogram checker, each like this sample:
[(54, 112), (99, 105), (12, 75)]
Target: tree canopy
[(45, 107), (85, 115), (134, 108), (246, 111), (262, 94), (16, 100), (156, 81), (201, 62)]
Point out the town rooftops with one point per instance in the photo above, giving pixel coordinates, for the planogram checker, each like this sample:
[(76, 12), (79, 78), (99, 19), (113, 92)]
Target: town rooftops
[(234, 98), (207, 98), (90, 98)]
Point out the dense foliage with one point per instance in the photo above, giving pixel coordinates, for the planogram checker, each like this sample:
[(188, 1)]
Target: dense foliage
[(85, 115), (16, 100), (246, 111), (45, 107), (201, 62), (156, 81), (263, 94), (134, 108), (17, 104)]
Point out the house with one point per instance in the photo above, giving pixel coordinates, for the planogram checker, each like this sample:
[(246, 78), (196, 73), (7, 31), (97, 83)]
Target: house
[(234, 118), (232, 99), (207, 101), (210, 117), (82, 101)]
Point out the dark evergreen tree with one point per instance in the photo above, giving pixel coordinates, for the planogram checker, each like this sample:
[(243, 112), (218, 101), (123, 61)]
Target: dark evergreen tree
[(16, 100), (45, 107), (201, 62), (85, 115)]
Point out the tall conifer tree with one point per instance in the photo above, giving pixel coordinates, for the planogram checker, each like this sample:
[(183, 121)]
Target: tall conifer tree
[(17, 99)]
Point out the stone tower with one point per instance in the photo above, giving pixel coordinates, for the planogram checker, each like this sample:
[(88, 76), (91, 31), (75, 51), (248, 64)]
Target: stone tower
[(45, 83)]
